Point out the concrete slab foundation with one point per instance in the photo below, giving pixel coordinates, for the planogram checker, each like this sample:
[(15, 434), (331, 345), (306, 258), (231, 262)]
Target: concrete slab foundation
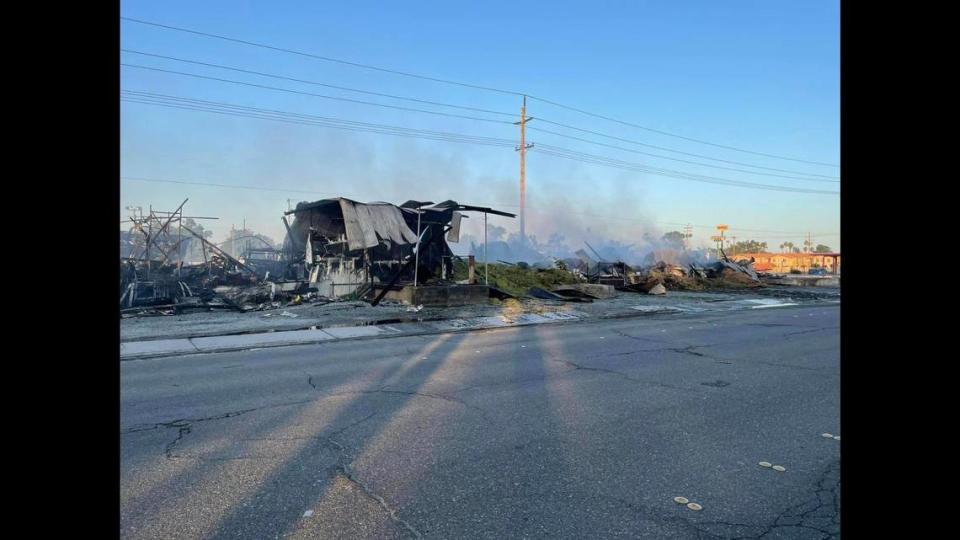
[(595, 290), (441, 295)]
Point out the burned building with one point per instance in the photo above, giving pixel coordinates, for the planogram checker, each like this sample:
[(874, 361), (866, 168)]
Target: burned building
[(343, 247), (334, 249)]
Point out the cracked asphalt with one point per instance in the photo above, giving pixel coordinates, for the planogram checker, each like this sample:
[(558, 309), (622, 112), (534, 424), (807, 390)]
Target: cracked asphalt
[(587, 429)]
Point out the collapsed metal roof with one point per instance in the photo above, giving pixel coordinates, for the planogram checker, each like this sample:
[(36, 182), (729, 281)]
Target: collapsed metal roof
[(367, 225)]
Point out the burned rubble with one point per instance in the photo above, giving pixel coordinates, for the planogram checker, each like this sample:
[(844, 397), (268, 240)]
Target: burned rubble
[(335, 249), (660, 277)]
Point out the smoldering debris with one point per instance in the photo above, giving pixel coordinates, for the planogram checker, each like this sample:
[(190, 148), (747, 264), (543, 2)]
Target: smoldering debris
[(339, 249), (662, 276)]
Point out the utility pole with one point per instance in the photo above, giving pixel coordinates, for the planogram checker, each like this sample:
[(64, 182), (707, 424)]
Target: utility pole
[(523, 159), (416, 264), (149, 237), (486, 272), (687, 235), (179, 240)]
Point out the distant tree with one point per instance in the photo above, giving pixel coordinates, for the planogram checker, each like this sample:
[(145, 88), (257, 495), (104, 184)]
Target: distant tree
[(796, 250), (822, 249), (674, 239), (786, 247), (750, 246)]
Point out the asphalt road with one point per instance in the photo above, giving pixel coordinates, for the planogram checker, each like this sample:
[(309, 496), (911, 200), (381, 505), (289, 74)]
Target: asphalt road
[(583, 430)]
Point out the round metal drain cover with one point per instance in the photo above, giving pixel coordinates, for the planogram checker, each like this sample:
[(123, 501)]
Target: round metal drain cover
[(694, 506), (766, 464), (681, 500), (779, 468), (826, 435)]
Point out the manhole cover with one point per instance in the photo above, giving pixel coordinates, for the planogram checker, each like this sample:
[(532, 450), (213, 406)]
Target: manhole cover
[(766, 464), (779, 468), (681, 500), (694, 506)]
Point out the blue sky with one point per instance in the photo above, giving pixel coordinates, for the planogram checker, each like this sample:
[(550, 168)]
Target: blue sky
[(760, 75)]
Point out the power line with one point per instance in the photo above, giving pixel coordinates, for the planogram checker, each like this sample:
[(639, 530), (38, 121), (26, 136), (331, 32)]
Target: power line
[(188, 107), (230, 186), (681, 160), (318, 57), (546, 121), (314, 95), (282, 77), (308, 120), (549, 150), (416, 100), (193, 101), (467, 85), (581, 111), (609, 162)]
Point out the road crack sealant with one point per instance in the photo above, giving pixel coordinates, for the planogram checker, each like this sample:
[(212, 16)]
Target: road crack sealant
[(343, 466)]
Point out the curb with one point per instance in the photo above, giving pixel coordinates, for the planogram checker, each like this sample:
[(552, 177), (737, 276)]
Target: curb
[(141, 350)]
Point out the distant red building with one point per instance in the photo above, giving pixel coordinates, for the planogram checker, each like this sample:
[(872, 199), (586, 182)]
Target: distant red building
[(785, 262)]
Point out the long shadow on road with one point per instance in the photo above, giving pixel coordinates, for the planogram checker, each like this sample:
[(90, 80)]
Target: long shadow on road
[(175, 489), (279, 504)]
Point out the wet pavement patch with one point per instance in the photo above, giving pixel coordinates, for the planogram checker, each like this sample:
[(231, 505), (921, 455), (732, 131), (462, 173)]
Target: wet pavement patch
[(717, 383)]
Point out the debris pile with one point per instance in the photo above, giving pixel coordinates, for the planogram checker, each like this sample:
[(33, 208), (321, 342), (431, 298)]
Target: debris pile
[(669, 277), (335, 249), (664, 276), (728, 273)]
